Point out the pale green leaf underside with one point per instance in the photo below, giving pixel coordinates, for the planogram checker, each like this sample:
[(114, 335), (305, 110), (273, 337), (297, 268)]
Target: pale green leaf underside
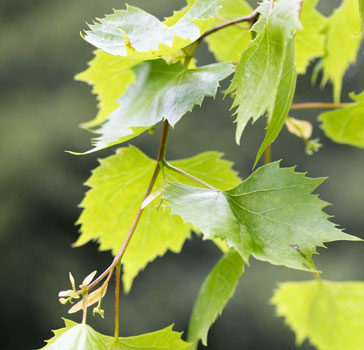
[(135, 33), (160, 92), (343, 38), (329, 314), (272, 215), (346, 125), (110, 77), (228, 44), (117, 189), (260, 68), (213, 296), (82, 337), (310, 39), (76, 337), (282, 105)]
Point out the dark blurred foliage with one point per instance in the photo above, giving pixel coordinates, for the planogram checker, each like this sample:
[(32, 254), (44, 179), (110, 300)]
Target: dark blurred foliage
[(41, 107)]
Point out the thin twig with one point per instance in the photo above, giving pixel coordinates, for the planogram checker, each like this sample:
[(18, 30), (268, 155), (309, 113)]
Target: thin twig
[(161, 155), (271, 5), (250, 18), (117, 299), (300, 9), (312, 105)]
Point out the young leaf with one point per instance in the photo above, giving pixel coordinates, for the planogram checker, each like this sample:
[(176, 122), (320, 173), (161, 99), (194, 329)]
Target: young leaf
[(135, 33), (164, 339), (258, 74), (272, 215), (117, 189), (227, 44), (343, 37), (160, 92), (310, 39), (76, 337), (346, 125), (282, 105), (329, 314), (213, 296), (110, 77)]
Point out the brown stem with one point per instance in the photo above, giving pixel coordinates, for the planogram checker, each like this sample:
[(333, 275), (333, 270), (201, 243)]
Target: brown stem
[(300, 9), (161, 155), (312, 105), (181, 172), (84, 309), (271, 5), (267, 154), (250, 18), (117, 299)]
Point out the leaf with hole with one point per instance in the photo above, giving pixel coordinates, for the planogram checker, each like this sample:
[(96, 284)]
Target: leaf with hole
[(272, 215)]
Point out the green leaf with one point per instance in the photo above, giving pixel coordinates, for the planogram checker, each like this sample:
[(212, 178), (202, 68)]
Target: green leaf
[(160, 92), (227, 44), (261, 65), (117, 189), (310, 39), (272, 215), (76, 337), (346, 125), (361, 7), (135, 33), (213, 296), (164, 339), (282, 105), (82, 337), (329, 314), (110, 77), (343, 37)]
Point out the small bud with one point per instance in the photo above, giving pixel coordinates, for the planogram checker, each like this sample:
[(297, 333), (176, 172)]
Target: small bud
[(63, 301), (98, 310), (88, 280), (68, 293), (72, 280)]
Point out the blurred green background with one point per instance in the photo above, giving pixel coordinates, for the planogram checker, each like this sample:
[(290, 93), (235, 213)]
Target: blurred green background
[(41, 107)]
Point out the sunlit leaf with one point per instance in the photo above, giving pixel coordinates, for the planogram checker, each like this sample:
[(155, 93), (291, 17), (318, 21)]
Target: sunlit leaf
[(213, 296), (260, 68), (310, 38), (110, 77), (272, 215), (346, 125), (117, 189), (160, 92), (329, 314), (343, 38), (228, 44), (135, 33)]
